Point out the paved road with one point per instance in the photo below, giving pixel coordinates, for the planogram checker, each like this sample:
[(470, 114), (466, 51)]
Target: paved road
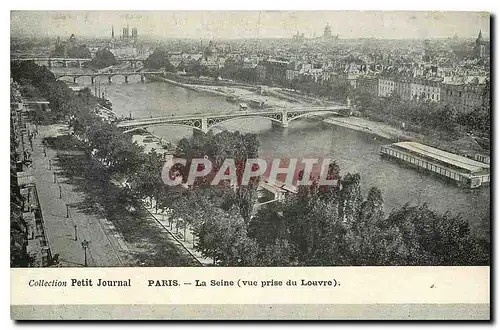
[(104, 249)]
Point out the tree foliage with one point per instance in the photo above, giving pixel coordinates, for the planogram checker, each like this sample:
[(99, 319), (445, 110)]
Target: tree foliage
[(79, 52), (103, 58), (319, 226), (159, 60)]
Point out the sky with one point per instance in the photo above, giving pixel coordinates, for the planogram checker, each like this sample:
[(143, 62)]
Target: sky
[(252, 24)]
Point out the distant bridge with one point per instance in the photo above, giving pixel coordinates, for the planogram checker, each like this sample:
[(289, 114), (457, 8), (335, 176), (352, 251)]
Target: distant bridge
[(205, 121), (110, 75), (79, 61)]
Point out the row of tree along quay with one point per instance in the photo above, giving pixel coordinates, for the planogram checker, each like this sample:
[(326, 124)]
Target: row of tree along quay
[(317, 226)]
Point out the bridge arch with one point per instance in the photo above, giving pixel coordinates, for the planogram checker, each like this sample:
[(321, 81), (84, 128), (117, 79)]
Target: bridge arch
[(206, 122), (219, 121), (141, 127), (73, 75), (95, 75)]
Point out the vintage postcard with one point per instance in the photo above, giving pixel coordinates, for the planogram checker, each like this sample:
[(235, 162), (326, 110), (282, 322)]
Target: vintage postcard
[(250, 165)]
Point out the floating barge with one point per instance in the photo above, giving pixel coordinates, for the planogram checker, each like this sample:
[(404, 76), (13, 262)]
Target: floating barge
[(464, 171)]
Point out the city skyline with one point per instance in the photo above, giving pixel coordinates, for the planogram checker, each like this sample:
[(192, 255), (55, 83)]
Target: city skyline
[(252, 24)]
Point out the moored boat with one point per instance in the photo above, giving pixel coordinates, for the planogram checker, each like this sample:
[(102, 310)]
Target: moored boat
[(463, 171)]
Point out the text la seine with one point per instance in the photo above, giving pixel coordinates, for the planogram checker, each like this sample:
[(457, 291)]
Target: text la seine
[(246, 283)]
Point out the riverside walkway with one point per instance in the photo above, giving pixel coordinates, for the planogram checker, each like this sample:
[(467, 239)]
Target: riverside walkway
[(70, 196), (105, 246)]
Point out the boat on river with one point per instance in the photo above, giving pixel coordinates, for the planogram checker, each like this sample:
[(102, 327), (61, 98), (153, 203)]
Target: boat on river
[(465, 172)]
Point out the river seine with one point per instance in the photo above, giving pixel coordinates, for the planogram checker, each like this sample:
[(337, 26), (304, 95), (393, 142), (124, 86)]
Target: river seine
[(354, 151)]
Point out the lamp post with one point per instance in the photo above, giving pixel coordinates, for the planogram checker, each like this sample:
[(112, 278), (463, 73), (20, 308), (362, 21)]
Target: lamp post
[(76, 234), (85, 246)]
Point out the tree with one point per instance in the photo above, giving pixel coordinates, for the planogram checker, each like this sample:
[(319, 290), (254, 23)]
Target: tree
[(79, 52), (159, 60), (103, 58), (219, 147), (147, 181), (223, 237), (429, 238), (365, 240), (267, 226), (350, 199), (278, 254)]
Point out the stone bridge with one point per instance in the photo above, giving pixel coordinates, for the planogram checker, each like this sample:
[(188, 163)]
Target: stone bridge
[(110, 75), (205, 121), (79, 61)]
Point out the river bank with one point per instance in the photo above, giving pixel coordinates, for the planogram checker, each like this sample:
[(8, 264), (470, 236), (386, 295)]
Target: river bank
[(355, 152), (463, 146), (367, 126), (195, 88), (238, 93), (151, 141)]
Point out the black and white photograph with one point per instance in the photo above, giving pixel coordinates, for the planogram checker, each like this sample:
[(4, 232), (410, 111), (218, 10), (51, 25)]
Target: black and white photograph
[(249, 138)]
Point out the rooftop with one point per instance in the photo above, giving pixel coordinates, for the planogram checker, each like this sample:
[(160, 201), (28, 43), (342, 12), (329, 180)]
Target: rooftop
[(443, 156)]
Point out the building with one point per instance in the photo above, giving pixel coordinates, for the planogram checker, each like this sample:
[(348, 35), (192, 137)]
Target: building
[(386, 86), (479, 47), (292, 71), (426, 89), (128, 37), (125, 34), (368, 85), (292, 74), (298, 38), (403, 88), (124, 52), (71, 48), (260, 70), (275, 69), (210, 56), (328, 37), (464, 97)]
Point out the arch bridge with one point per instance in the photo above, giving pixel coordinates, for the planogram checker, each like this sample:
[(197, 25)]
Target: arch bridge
[(110, 75), (205, 121), (66, 60)]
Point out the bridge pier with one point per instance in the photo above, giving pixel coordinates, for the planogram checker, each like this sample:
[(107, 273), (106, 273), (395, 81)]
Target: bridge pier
[(64, 64), (75, 80), (110, 79), (204, 127), (49, 63), (126, 79), (197, 132), (143, 78), (278, 127), (92, 80), (284, 121)]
